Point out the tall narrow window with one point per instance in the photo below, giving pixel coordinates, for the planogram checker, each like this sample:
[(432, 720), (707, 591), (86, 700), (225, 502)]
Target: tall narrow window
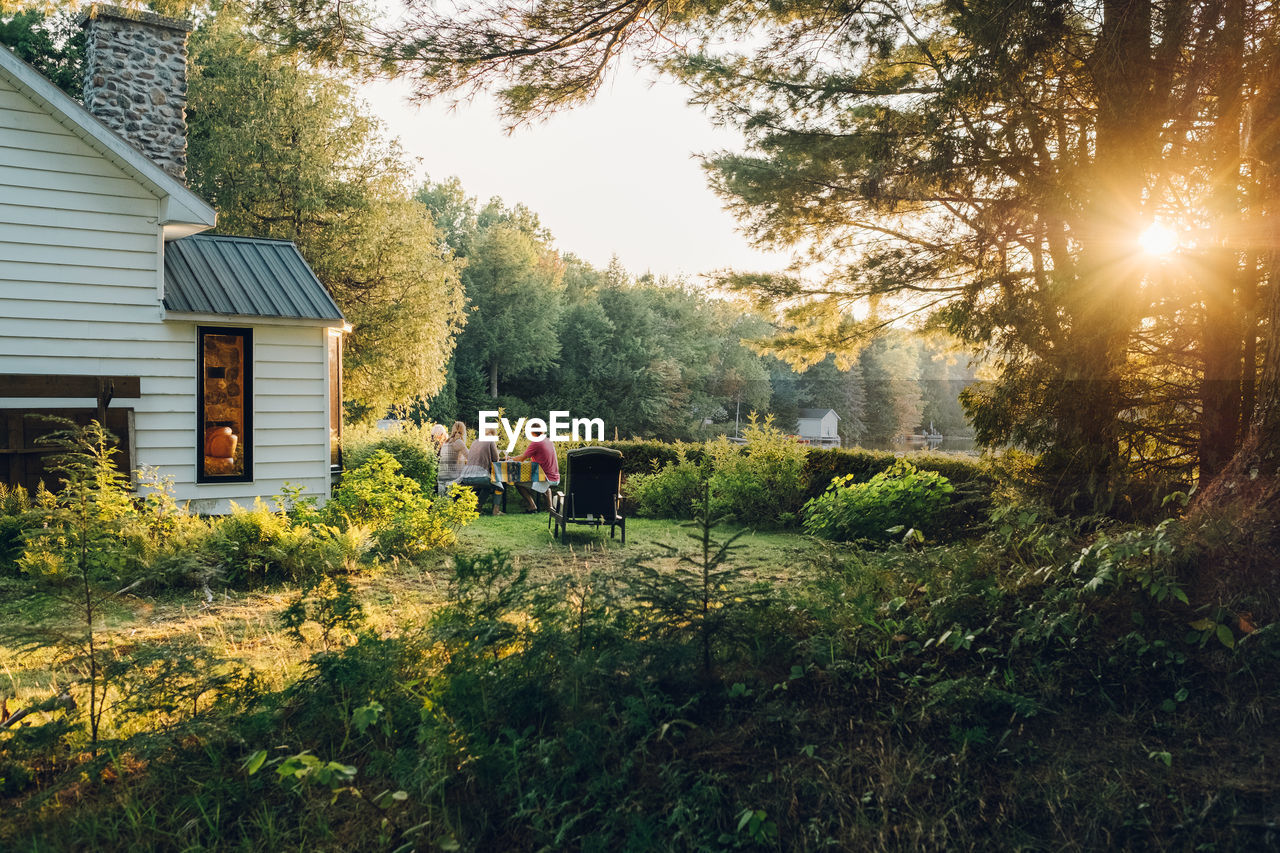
[(335, 398), (225, 404)]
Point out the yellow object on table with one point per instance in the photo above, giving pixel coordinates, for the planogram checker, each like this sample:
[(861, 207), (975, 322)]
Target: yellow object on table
[(525, 473)]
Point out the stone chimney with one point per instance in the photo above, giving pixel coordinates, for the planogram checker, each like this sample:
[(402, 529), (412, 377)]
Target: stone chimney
[(135, 80)]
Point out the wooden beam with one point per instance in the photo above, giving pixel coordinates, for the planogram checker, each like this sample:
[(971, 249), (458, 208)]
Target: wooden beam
[(64, 385)]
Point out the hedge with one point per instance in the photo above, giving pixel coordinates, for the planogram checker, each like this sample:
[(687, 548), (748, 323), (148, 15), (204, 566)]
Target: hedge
[(971, 477), (645, 457), (822, 466)]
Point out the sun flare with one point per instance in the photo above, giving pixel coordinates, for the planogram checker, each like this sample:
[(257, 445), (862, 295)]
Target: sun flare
[(1158, 240)]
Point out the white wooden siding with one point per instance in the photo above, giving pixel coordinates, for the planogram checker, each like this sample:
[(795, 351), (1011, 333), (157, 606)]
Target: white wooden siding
[(80, 269), (825, 427), (290, 427)]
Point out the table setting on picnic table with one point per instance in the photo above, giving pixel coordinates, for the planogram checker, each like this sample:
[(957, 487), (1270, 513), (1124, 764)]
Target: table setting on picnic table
[(511, 472)]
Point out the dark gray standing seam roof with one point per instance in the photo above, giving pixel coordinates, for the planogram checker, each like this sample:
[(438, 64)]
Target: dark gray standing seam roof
[(243, 276), (816, 413)]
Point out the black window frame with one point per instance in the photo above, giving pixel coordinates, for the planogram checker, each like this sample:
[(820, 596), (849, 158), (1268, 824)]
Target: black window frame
[(246, 440), (334, 394)]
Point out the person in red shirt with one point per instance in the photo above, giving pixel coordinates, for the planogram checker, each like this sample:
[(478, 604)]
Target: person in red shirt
[(543, 452)]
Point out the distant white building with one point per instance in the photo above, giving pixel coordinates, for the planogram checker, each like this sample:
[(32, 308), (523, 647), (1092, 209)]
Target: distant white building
[(820, 427), (214, 359)]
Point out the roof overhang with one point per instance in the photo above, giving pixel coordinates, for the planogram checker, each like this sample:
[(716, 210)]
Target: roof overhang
[(228, 276), (253, 320), (182, 212)]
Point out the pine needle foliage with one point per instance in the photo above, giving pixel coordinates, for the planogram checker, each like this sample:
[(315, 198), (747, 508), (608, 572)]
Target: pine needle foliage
[(81, 552), (700, 597)]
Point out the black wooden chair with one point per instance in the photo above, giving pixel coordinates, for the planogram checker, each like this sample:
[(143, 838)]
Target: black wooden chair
[(591, 492)]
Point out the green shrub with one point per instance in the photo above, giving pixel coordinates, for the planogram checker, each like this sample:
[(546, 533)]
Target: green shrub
[(822, 464), (418, 531), (152, 541), (84, 530), (249, 545), (183, 558), (646, 457), (411, 446), (172, 543), (660, 476), (16, 518), (827, 463), (332, 605), (373, 493), (899, 498), (762, 482), (405, 522), (261, 545), (668, 493)]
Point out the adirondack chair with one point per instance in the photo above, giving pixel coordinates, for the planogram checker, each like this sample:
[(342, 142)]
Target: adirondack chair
[(591, 492)]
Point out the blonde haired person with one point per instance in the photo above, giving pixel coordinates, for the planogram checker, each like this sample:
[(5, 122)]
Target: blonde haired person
[(478, 472), (438, 436), (453, 456)]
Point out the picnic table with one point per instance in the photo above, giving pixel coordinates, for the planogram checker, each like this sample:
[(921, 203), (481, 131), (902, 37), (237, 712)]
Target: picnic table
[(509, 472)]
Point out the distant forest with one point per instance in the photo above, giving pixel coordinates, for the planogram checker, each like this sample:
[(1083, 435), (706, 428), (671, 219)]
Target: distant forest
[(654, 357)]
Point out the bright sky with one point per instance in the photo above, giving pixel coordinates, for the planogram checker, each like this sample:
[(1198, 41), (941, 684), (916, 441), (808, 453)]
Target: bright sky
[(617, 176)]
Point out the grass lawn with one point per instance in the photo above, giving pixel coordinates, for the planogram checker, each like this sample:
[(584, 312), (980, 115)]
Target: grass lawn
[(774, 555)]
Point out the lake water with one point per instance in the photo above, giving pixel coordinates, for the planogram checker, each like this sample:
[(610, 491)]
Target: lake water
[(947, 444)]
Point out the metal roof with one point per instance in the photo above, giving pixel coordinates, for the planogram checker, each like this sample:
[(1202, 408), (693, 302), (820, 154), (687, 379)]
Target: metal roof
[(244, 277), (817, 413)]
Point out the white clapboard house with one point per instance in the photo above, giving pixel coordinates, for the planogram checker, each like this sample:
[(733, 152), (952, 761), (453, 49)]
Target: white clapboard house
[(215, 359), (820, 427)]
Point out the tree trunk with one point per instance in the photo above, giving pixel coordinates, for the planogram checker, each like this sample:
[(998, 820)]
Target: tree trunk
[(1258, 459), (1220, 380), (1249, 345), (1264, 437), (1222, 340), (1104, 305), (1242, 504), (1237, 514), (493, 378)]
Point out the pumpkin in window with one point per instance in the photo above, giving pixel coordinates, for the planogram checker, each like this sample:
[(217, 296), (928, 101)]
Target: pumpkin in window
[(220, 450)]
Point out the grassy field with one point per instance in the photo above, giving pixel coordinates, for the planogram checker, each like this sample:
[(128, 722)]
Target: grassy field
[(245, 626), (956, 696)]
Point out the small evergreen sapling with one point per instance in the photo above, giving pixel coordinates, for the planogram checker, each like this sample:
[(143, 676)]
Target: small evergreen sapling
[(332, 603), (81, 552), (698, 598)]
